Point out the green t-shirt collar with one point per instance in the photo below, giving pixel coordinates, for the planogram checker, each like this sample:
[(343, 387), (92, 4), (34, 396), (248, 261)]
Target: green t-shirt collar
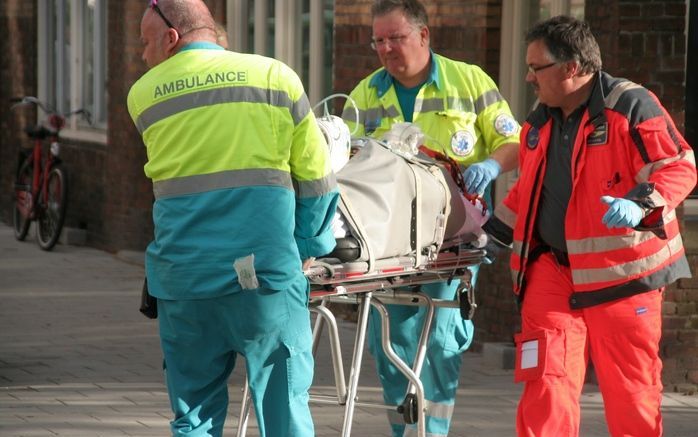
[(382, 80)]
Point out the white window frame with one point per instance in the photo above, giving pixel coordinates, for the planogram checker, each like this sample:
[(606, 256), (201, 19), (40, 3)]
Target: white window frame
[(73, 62), (512, 64), (287, 36)]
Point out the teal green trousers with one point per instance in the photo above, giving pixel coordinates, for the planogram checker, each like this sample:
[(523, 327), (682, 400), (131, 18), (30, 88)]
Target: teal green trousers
[(201, 339)]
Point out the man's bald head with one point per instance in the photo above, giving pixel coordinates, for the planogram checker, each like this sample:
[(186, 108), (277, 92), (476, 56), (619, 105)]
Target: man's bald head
[(189, 21), (191, 18)]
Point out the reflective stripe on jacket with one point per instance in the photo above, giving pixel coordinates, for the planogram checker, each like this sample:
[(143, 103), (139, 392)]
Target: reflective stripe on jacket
[(239, 167), (627, 146), (459, 109)]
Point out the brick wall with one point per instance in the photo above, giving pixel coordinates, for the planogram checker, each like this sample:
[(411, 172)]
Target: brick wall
[(645, 41), (127, 220), (353, 58), (128, 206), (84, 163), (679, 347), (17, 78), (497, 317)]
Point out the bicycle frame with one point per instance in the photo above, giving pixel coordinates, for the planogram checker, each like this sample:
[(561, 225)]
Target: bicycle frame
[(40, 172), (40, 185)]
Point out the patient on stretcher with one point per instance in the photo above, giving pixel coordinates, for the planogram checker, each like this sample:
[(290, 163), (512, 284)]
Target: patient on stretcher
[(395, 204)]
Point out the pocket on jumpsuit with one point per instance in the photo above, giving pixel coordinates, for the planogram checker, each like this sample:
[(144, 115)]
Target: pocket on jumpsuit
[(300, 363), (297, 338), (540, 352)]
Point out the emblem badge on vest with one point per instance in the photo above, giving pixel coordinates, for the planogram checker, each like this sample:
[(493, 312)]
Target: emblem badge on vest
[(599, 137), (463, 143), (532, 138), (505, 125)]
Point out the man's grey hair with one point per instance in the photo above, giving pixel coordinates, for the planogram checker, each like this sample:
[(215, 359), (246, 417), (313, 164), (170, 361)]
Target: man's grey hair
[(568, 39), (414, 10)]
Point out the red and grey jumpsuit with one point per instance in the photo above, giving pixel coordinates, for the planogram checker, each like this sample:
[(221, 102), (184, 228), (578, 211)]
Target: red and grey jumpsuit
[(600, 297)]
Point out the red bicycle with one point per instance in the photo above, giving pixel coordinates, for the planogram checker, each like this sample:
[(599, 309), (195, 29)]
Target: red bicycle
[(41, 185)]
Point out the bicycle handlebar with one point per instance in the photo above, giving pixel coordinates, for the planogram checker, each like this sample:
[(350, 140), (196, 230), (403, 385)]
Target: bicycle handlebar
[(49, 111), (21, 101), (85, 114)]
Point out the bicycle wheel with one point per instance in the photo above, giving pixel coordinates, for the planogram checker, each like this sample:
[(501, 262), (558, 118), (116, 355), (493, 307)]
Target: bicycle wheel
[(21, 215), (52, 212)]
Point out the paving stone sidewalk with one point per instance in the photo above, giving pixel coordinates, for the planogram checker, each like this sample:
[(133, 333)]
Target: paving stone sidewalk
[(78, 359)]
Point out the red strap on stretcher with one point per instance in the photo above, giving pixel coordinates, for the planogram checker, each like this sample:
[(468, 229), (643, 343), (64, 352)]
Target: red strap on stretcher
[(454, 169)]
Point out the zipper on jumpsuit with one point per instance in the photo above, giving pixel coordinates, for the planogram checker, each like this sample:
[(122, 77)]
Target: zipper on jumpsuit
[(525, 243), (577, 165)]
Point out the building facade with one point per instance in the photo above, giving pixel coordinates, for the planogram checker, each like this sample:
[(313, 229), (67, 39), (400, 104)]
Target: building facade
[(87, 53)]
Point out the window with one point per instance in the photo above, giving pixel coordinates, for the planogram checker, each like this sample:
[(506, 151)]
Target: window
[(542, 10), (72, 62), (517, 17), (297, 32)]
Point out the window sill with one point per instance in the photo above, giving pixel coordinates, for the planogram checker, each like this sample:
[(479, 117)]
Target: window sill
[(98, 136)]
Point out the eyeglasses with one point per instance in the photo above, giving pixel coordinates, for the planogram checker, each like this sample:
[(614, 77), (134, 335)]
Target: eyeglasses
[(533, 70), (154, 6), (391, 41)]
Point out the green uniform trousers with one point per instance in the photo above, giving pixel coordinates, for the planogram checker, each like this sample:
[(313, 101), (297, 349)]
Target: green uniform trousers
[(201, 339)]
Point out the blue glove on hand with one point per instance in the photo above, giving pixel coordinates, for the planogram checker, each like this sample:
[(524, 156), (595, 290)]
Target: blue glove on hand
[(621, 213), (478, 176)]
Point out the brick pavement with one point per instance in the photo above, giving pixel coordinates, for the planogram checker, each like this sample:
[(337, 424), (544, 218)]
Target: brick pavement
[(77, 359)]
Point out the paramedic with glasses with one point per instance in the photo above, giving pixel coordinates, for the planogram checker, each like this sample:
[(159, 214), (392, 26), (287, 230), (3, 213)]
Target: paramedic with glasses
[(463, 115), (243, 193), (595, 237)]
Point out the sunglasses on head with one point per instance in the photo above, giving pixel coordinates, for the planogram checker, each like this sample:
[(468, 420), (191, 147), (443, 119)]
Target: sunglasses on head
[(154, 6)]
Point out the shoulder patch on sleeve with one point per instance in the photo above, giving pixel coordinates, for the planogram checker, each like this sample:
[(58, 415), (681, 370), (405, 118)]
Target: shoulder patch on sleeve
[(505, 125)]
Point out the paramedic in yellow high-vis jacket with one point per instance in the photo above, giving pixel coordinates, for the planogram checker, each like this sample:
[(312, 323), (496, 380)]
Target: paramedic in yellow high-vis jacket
[(463, 115), (243, 194)]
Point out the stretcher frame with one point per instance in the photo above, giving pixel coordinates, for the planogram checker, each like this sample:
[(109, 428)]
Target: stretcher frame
[(350, 283)]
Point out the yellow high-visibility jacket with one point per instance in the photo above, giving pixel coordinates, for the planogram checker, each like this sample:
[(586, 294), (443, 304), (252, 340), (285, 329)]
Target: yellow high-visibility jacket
[(239, 168)]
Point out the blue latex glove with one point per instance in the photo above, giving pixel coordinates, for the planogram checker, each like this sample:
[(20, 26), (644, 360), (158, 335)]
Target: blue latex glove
[(621, 213), (478, 176)]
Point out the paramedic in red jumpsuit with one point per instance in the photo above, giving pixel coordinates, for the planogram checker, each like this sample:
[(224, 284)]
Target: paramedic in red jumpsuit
[(595, 237)]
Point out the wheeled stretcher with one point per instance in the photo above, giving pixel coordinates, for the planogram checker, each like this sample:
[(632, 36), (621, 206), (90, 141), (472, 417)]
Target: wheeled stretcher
[(409, 225), (391, 281)]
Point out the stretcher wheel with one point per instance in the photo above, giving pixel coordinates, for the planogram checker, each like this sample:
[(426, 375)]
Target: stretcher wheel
[(408, 409)]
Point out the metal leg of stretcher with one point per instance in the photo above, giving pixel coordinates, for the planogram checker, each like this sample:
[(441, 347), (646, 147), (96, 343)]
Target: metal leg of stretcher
[(357, 357), (415, 386), (324, 315), (319, 323), (415, 391), (244, 410)]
